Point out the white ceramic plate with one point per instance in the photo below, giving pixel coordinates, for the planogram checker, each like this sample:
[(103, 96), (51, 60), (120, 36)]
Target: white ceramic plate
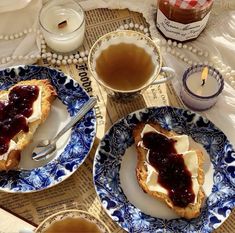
[(73, 148), (126, 203)]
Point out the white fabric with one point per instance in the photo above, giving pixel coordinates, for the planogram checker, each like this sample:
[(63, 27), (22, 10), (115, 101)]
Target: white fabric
[(218, 39), (16, 16), (13, 5)]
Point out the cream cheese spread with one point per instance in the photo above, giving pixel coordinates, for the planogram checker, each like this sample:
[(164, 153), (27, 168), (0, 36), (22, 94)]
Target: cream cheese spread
[(12, 146), (189, 156), (37, 111)]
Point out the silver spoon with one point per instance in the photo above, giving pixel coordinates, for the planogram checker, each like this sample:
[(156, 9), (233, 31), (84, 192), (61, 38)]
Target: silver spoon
[(46, 147)]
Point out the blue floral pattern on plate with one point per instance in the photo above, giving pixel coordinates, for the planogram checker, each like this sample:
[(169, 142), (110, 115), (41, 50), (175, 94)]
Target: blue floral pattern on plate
[(79, 145), (108, 159)]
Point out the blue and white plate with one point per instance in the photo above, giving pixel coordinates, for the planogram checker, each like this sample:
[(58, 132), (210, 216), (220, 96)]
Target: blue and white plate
[(135, 211), (73, 147)]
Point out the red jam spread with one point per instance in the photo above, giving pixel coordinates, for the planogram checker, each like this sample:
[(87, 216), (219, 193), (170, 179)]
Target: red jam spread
[(173, 175), (13, 113), (183, 19)]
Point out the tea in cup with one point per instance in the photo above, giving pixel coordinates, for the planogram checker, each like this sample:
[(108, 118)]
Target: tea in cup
[(126, 62), (76, 221)]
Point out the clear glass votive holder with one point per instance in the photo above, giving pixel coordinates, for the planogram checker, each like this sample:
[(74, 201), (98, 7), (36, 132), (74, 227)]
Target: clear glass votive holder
[(63, 25), (196, 95)]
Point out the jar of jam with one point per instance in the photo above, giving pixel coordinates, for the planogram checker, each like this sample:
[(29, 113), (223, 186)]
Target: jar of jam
[(182, 20)]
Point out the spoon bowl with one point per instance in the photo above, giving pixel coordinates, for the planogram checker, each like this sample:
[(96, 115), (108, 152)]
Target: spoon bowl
[(45, 148)]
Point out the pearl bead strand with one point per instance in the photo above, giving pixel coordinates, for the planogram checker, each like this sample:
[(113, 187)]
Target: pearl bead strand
[(170, 46), (175, 49), (135, 26), (5, 60), (80, 57), (59, 59), (18, 35), (53, 57)]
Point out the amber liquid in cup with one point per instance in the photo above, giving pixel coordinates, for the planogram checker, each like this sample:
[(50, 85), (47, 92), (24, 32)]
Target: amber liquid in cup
[(73, 225), (124, 67)]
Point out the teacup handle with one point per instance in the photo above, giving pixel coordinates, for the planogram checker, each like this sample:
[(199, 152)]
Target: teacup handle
[(170, 74)]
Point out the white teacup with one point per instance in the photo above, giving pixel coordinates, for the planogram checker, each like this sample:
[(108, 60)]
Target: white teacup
[(126, 62), (62, 219)]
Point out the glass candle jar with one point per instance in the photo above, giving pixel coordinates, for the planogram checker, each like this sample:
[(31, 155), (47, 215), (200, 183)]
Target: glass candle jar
[(182, 20), (198, 95), (63, 25)]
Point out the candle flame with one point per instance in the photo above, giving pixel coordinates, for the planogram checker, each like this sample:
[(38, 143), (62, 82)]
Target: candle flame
[(204, 75)]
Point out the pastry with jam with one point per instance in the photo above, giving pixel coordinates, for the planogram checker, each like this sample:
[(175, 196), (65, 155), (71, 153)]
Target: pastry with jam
[(169, 169), (23, 107)]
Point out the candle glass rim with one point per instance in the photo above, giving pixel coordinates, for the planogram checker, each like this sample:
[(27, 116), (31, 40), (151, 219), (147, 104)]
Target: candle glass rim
[(185, 76), (61, 34)]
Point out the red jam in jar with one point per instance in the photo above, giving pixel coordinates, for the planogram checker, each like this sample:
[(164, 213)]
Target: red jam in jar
[(182, 20)]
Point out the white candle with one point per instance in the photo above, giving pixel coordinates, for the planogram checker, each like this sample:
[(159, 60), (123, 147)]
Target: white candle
[(69, 37), (194, 84), (197, 96)]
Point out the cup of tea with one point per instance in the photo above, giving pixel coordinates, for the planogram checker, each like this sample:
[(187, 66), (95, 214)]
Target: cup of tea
[(76, 221), (126, 62)]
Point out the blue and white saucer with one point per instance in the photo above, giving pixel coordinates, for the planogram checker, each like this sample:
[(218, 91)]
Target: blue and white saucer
[(135, 211), (73, 147)]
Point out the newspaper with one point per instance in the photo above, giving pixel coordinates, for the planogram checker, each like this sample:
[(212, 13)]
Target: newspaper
[(78, 190)]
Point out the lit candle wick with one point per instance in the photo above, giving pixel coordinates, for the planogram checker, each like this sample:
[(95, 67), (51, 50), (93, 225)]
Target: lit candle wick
[(204, 75)]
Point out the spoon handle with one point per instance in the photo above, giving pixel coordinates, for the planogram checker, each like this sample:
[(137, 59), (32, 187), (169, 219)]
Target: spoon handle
[(85, 108)]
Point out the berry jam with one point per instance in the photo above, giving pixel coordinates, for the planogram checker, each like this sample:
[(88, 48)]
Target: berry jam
[(13, 113), (173, 174)]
